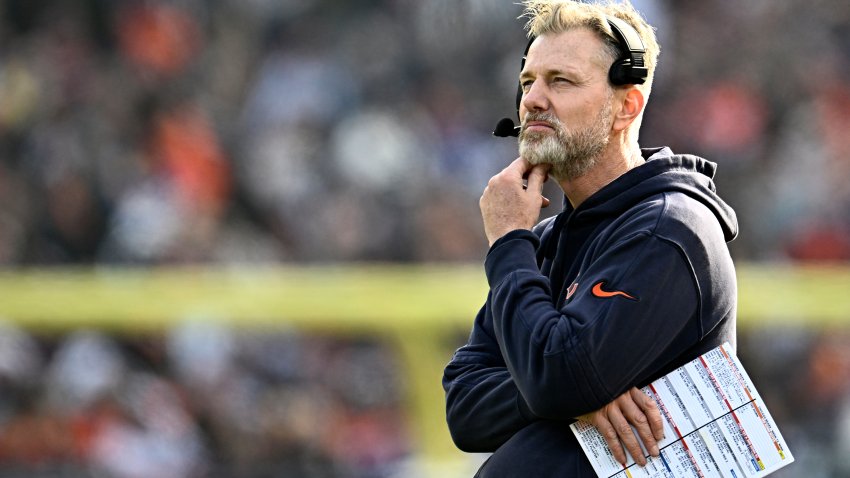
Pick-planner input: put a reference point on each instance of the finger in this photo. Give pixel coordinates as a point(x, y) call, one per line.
point(633, 413)
point(606, 429)
point(545, 202)
point(626, 434)
point(518, 167)
point(537, 177)
point(650, 410)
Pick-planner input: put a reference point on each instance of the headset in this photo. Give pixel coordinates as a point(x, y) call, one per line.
point(628, 69)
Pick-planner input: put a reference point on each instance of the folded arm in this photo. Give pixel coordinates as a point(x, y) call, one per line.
point(633, 311)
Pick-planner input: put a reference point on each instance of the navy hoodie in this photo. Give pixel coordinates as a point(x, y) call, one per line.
point(633, 283)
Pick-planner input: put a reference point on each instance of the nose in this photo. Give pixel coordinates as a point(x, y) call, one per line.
point(534, 99)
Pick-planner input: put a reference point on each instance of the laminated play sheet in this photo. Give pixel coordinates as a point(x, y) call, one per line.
point(715, 425)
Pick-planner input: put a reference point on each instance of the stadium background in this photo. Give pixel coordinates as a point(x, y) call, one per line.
point(241, 238)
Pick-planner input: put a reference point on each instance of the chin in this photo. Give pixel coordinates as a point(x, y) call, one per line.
point(536, 152)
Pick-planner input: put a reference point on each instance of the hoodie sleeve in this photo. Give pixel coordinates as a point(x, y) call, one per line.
point(634, 309)
point(483, 405)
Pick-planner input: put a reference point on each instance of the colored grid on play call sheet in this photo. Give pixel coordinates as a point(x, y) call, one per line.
point(715, 425)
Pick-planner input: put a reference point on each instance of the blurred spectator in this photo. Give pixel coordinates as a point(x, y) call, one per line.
point(160, 132)
point(284, 403)
point(157, 37)
point(804, 377)
point(203, 400)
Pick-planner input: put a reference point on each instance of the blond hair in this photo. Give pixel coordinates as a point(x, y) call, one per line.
point(558, 16)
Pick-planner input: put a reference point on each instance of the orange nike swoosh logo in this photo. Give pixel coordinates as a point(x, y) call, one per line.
point(598, 291)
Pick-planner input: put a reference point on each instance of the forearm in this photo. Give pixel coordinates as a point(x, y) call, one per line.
point(531, 333)
point(483, 406)
point(573, 360)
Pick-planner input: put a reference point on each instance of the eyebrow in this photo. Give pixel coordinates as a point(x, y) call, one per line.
point(524, 74)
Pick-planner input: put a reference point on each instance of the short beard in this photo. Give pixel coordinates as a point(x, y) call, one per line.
point(570, 154)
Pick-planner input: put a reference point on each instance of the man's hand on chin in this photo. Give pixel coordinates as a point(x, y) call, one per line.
point(508, 203)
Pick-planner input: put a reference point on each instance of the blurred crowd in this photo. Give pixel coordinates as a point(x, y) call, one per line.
point(206, 401)
point(803, 375)
point(175, 131)
point(150, 132)
point(200, 400)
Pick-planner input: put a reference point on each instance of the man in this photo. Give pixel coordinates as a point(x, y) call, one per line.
point(632, 279)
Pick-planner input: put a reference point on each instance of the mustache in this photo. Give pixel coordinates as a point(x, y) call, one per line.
point(544, 117)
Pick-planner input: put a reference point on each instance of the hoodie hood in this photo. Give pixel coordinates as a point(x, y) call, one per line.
point(662, 172)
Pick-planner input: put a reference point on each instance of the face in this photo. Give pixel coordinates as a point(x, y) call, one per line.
point(566, 108)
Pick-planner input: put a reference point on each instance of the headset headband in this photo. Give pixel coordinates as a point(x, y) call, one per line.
point(627, 69)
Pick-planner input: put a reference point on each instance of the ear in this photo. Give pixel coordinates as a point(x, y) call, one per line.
point(630, 108)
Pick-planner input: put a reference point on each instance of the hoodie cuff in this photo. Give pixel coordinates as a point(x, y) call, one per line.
point(516, 250)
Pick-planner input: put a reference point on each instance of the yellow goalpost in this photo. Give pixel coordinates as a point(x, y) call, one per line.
point(420, 309)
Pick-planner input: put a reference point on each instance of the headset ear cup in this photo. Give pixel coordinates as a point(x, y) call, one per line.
point(619, 73)
point(623, 73)
point(629, 69)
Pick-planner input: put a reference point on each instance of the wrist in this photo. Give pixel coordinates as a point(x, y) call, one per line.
point(516, 250)
point(493, 236)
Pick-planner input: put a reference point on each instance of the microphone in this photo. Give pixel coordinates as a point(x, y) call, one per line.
point(505, 127)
